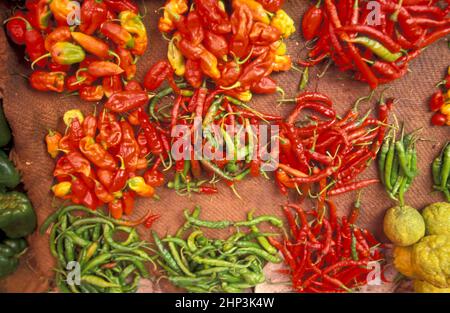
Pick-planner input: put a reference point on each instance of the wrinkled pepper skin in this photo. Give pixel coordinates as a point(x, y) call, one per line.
point(5, 132)
point(9, 176)
point(17, 217)
point(10, 251)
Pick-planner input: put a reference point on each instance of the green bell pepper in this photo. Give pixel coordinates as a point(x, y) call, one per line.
point(10, 251)
point(5, 132)
point(17, 217)
point(9, 176)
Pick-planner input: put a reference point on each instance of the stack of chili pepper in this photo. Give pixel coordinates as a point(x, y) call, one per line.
point(104, 162)
point(238, 51)
point(441, 171)
point(238, 139)
point(397, 164)
point(93, 57)
point(105, 264)
point(332, 151)
point(201, 264)
point(324, 254)
point(376, 40)
point(440, 103)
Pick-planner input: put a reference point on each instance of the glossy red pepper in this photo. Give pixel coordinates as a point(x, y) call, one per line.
point(436, 101)
point(118, 6)
point(124, 101)
point(92, 15)
point(16, 28)
point(117, 34)
point(104, 68)
point(265, 85)
point(193, 73)
point(217, 44)
point(272, 5)
point(154, 178)
point(153, 139)
point(91, 93)
point(72, 163)
point(126, 62)
point(155, 76)
point(96, 154)
point(312, 20)
point(110, 133)
point(438, 119)
point(133, 85)
point(102, 193)
point(111, 85)
point(90, 126)
point(47, 81)
point(119, 178)
point(263, 35)
point(142, 142)
point(129, 148)
point(128, 202)
point(116, 208)
point(105, 177)
point(213, 16)
point(241, 23)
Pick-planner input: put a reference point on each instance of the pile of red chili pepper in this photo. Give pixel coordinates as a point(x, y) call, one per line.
point(327, 150)
point(440, 103)
point(327, 255)
point(104, 161)
point(93, 55)
point(376, 40)
point(237, 50)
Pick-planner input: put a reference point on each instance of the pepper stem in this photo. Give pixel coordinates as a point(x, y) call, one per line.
point(39, 59)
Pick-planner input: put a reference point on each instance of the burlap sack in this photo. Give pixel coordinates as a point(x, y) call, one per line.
point(31, 113)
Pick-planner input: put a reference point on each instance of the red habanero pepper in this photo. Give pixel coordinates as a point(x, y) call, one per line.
point(102, 193)
point(118, 6)
point(154, 178)
point(90, 125)
point(311, 21)
point(75, 132)
point(128, 202)
point(126, 62)
point(104, 68)
point(254, 72)
point(189, 50)
point(75, 82)
point(230, 74)
point(265, 85)
point(39, 12)
point(160, 71)
point(119, 35)
point(91, 93)
point(271, 5)
point(129, 148)
point(153, 140)
point(436, 101)
point(119, 178)
point(78, 190)
point(16, 28)
point(438, 119)
point(72, 163)
point(142, 142)
point(133, 118)
point(263, 35)
point(241, 24)
point(34, 43)
point(96, 154)
point(124, 101)
point(60, 33)
point(195, 28)
point(55, 67)
point(116, 208)
point(193, 73)
point(105, 177)
point(47, 81)
point(92, 15)
point(216, 44)
point(133, 85)
point(208, 64)
point(213, 16)
point(111, 85)
point(110, 133)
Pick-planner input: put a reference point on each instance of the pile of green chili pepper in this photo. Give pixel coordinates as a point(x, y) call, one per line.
point(397, 164)
point(105, 264)
point(200, 264)
point(441, 171)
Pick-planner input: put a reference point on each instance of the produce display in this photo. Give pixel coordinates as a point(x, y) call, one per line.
point(375, 41)
point(188, 122)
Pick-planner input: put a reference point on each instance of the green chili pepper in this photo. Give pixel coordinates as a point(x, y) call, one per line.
point(377, 48)
point(304, 80)
point(163, 93)
point(275, 221)
point(207, 224)
point(388, 165)
point(176, 256)
point(400, 149)
point(97, 281)
point(445, 170)
point(209, 117)
point(165, 254)
point(259, 252)
point(382, 159)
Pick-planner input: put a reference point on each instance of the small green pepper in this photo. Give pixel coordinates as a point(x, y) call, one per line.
point(9, 176)
point(10, 251)
point(17, 217)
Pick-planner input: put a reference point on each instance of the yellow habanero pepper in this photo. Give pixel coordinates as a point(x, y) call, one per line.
point(71, 115)
point(63, 11)
point(258, 11)
point(132, 22)
point(445, 109)
point(62, 189)
point(284, 23)
point(208, 64)
point(282, 63)
point(172, 10)
point(244, 96)
point(279, 47)
point(138, 185)
point(175, 57)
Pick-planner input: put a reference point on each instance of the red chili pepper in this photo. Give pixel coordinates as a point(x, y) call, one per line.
point(160, 71)
point(438, 119)
point(230, 74)
point(118, 6)
point(96, 154)
point(102, 193)
point(91, 93)
point(213, 16)
point(119, 178)
point(104, 68)
point(153, 139)
point(129, 148)
point(111, 85)
point(241, 24)
point(385, 40)
point(47, 81)
point(124, 101)
point(126, 62)
point(90, 125)
point(133, 85)
point(60, 33)
point(110, 133)
point(92, 15)
point(194, 28)
point(312, 20)
point(272, 5)
point(116, 208)
point(436, 101)
point(266, 85)
point(150, 220)
point(352, 186)
point(128, 202)
point(93, 45)
point(55, 67)
point(154, 178)
point(16, 28)
point(72, 163)
point(105, 177)
point(119, 35)
point(263, 34)
point(217, 44)
point(193, 73)
point(75, 132)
